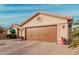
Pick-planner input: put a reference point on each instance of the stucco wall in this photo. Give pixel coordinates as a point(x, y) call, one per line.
point(62, 32)
point(48, 20)
point(19, 33)
point(22, 32)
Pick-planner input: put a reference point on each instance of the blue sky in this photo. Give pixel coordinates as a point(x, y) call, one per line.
point(18, 13)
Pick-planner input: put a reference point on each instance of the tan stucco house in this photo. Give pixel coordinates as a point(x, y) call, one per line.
point(46, 27)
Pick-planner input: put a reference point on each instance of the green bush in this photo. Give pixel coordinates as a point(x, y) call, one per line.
point(74, 43)
point(13, 31)
point(76, 35)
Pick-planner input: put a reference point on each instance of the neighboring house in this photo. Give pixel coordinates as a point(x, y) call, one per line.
point(46, 27)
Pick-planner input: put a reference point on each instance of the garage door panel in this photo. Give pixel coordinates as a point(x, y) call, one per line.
point(48, 34)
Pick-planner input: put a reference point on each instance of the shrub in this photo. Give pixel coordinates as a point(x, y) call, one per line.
point(1, 30)
point(74, 43)
point(12, 36)
point(13, 31)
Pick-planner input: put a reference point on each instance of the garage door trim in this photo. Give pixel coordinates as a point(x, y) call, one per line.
point(40, 26)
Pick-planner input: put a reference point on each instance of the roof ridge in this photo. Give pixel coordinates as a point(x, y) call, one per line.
point(56, 15)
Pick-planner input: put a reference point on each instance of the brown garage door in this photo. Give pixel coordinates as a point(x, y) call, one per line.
point(48, 34)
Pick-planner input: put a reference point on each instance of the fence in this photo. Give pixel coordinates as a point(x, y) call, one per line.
point(3, 35)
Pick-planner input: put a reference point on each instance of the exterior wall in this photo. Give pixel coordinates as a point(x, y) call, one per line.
point(22, 32)
point(48, 20)
point(62, 32)
point(19, 33)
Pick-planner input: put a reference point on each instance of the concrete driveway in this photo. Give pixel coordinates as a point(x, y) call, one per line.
point(14, 47)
